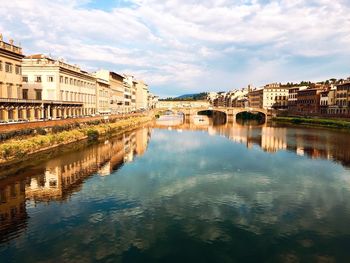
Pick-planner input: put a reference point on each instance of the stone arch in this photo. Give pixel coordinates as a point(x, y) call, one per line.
point(251, 110)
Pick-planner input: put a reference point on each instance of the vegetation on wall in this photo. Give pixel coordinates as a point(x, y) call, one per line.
point(17, 148)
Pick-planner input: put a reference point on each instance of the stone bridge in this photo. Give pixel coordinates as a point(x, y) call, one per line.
point(230, 112)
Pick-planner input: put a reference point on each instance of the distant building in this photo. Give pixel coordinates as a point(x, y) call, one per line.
point(103, 97)
point(117, 88)
point(141, 95)
point(308, 101)
point(255, 98)
point(275, 96)
point(292, 98)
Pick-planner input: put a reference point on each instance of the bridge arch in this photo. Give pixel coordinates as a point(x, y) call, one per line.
point(250, 110)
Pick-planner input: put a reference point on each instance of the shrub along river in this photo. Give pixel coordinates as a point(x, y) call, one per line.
point(177, 192)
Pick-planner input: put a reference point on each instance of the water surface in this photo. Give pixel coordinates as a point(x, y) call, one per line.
point(185, 193)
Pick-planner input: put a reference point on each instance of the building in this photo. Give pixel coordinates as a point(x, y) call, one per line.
point(342, 99)
point(292, 98)
point(56, 89)
point(275, 96)
point(116, 84)
point(141, 95)
point(255, 98)
point(308, 101)
point(129, 93)
point(11, 100)
point(103, 97)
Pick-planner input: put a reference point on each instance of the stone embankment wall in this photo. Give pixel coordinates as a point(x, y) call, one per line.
point(46, 124)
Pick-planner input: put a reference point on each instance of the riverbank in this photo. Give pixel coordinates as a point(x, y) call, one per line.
point(19, 149)
point(318, 122)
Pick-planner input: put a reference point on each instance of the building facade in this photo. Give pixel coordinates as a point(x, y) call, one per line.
point(116, 84)
point(141, 95)
point(62, 90)
point(103, 94)
point(275, 96)
point(10, 81)
point(255, 98)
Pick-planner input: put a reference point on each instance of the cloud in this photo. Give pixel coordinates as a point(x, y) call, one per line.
point(180, 46)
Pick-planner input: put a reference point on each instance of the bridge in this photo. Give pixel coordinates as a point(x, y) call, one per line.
point(230, 112)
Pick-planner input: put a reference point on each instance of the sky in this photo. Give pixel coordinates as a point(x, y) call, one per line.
point(188, 46)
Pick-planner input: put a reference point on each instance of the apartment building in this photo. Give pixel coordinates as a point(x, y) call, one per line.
point(103, 97)
point(116, 84)
point(308, 101)
point(141, 95)
point(255, 98)
point(275, 96)
point(129, 93)
point(292, 98)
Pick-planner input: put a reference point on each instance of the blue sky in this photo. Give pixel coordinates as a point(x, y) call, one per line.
point(186, 46)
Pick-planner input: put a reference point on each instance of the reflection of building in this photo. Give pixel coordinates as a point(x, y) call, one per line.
point(273, 139)
point(13, 213)
point(63, 175)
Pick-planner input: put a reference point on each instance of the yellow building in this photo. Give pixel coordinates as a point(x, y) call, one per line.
point(61, 89)
point(141, 95)
point(275, 96)
point(103, 97)
point(10, 80)
point(116, 83)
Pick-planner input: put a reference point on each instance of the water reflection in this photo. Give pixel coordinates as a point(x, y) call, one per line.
point(198, 192)
point(312, 142)
point(59, 178)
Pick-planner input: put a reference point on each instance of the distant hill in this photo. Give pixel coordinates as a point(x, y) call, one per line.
point(193, 96)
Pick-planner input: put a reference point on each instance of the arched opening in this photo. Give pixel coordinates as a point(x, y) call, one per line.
point(214, 117)
point(250, 118)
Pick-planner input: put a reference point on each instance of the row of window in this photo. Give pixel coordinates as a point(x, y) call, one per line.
point(76, 82)
point(77, 97)
point(9, 68)
point(64, 80)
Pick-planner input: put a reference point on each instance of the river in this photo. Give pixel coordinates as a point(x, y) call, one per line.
point(172, 192)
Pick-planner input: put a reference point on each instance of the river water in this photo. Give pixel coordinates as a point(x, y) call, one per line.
point(185, 193)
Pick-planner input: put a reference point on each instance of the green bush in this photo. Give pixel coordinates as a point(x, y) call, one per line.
point(92, 135)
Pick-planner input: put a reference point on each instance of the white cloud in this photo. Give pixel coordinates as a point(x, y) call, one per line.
point(179, 45)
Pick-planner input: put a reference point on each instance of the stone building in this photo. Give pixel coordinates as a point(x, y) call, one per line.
point(10, 81)
point(58, 89)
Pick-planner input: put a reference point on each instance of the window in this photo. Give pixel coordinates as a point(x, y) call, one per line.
point(66, 80)
point(61, 79)
point(0, 65)
point(38, 93)
point(38, 79)
point(25, 78)
point(8, 67)
point(49, 78)
point(9, 91)
point(25, 94)
point(18, 70)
